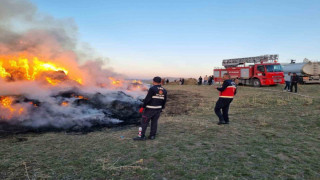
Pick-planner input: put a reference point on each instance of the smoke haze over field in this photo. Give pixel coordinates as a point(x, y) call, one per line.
point(40, 60)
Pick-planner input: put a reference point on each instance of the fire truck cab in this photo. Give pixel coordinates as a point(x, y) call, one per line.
point(262, 70)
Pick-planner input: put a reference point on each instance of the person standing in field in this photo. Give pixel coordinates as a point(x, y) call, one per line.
point(162, 81)
point(151, 109)
point(167, 81)
point(210, 80)
point(200, 80)
point(294, 83)
point(287, 79)
point(226, 94)
point(205, 80)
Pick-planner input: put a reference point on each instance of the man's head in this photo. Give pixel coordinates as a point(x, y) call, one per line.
point(226, 76)
point(294, 74)
point(289, 73)
point(156, 80)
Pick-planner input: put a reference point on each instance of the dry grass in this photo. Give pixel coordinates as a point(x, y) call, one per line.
point(272, 135)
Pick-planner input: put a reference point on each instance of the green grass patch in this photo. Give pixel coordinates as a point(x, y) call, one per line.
point(272, 135)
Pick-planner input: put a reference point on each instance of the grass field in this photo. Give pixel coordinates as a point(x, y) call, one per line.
point(272, 135)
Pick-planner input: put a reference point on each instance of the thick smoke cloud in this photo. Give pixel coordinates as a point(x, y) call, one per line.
point(25, 31)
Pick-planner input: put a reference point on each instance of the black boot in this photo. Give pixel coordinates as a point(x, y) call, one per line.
point(221, 122)
point(151, 137)
point(142, 138)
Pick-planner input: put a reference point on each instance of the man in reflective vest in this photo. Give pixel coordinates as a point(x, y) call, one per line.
point(153, 105)
point(226, 94)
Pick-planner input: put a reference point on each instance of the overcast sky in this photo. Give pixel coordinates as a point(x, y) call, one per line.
point(184, 38)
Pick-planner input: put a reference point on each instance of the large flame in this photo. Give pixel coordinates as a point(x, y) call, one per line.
point(17, 68)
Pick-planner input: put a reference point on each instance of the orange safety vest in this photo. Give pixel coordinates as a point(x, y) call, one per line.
point(228, 92)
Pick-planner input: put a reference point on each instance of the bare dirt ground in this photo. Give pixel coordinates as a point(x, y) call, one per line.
point(272, 135)
point(181, 103)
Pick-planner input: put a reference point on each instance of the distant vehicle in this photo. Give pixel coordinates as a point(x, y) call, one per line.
point(308, 71)
point(254, 71)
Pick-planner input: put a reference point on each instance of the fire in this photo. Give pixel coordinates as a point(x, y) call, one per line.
point(137, 85)
point(115, 82)
point(13, 68)
point(6, 103)
point(52, 81)
point(33, 104)
point(136, 82)
point(65, 103)
point(80, 97)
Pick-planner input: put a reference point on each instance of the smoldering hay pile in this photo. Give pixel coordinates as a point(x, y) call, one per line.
point(50, 80)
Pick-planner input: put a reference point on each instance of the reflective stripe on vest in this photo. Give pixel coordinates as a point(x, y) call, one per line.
point(228, 92)
point(157, 97)
point(153, 107)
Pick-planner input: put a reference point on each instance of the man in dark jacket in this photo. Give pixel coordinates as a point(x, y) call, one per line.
point(294, 82)
point(210, 80)
point(200, 81)
point(153, 105)
point(226, 94)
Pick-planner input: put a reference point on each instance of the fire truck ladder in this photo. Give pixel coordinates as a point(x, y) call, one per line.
point(257, 59)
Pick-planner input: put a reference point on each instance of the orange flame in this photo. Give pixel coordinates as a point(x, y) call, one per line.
point(115, 82)
point(22, 68)
point(137, 85)
point(136, 82)
point(52, 81)
point(79, 97)
point(33, 104)
point(6, 104)
point(65, 103)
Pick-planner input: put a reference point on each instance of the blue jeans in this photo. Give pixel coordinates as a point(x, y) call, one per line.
point(287, 85)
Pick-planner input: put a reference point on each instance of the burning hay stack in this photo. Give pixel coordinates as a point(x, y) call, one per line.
point(48, 81)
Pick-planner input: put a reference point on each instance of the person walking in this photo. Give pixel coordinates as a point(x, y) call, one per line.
point(287, 79)
point(226, 94)
point(294, 82)
point(151, 109)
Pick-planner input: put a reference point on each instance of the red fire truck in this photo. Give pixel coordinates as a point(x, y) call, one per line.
point(255, 71)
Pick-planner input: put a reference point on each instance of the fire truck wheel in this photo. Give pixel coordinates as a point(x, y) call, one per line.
point(256, 83)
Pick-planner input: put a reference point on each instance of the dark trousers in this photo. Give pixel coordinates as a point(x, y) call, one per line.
point(224, 104)
point(287, 85)
point(295, 87)
point(147, 116)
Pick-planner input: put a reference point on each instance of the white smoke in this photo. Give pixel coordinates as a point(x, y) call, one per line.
point(24, 30)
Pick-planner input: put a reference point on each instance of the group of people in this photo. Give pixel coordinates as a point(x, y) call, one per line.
point(207, 80)
point(291, 82)
point(181, 81)
point(164, 81)
point(156, 99)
